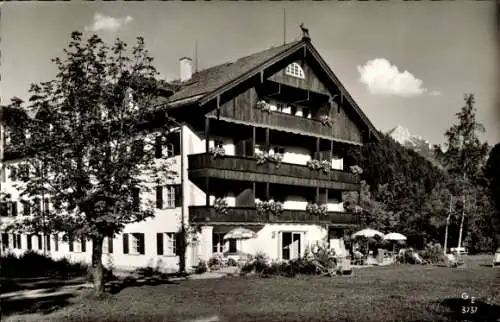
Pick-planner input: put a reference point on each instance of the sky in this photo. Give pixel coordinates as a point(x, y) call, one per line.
point(404, 63)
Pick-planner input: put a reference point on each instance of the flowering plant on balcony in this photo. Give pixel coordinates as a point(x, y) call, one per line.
point(315, 209)
point(273, 207)
point(264, 157)
point(325, 166)
point(356, 170)
point(319, 165)
point(263, 105)
point(326, 120)
point(218, 152)
point(220, 206)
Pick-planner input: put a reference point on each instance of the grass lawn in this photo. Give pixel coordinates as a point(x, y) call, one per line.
point(394, 293)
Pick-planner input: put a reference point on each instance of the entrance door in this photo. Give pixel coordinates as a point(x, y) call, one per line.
point(290, 245)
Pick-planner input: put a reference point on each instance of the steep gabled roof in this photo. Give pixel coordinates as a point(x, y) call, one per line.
point(211, 82)
point(208, 80)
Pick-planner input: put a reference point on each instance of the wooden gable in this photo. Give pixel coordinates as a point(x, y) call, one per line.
point(310, 82)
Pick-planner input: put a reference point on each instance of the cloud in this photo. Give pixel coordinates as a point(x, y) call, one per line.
point(383, 78)
point(435, 93)
point(108, 23)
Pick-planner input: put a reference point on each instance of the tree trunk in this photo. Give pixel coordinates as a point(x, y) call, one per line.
point(97, 267)
point(461, 223)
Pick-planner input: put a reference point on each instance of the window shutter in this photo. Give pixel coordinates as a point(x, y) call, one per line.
point(140, 242)
point(158, 147)
point(46, 205)
point(159, 197)
point(28, 239)
point(136, 199)
point(47, 237)
point(14, 208)
point(5, 240)
point(159, 243)
point(56, 243)
point(110, 245)
point(37, 207)
point(40, 242)
point(13, 173)
point(178, 243)
point(19, 244)
point(125, 243)
point(70, 242)
point(26, 208)
point(3, 209)
point(84, 244)
point(178, 195)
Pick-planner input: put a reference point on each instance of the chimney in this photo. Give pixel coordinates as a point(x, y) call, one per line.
point(186, 68)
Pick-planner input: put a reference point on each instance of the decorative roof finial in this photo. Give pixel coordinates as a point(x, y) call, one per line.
point(305, 32)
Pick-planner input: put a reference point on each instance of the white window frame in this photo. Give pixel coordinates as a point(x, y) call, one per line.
point(134, 243)
point(220, 245)
point(295, 70)
point(169, 244)
point(169, 150)
point(169, 197)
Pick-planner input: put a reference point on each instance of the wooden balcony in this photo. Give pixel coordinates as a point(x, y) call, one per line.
point(246, 169)
point(209, 216)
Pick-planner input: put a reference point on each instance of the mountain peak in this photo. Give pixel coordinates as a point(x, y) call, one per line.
point(403, 136)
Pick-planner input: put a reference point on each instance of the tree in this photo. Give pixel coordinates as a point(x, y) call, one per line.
point(464, 155)
point(492, 175)
point(91, 145)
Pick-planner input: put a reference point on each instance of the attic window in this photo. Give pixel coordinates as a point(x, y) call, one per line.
point(295, 70)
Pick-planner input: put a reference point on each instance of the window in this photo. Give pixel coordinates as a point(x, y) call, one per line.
point(295, 70)
point(16, 241)
point(218, 144)
point(217, 243)
point(279, 150)
point(56, 243)
point(107, 245)
point(46, 205)
point(166, 244)
point(26, 208)
point(280, 107)
point(168, 196)
point(5, 240)
point(13, 208)
point(170, 150)
point(78, 246)
point(133, 244)
point(13, 173)
point(29, 239)
point(232, 246)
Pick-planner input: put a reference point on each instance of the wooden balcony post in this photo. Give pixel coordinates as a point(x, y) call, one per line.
point(267, 140)
point(326, 195)
point(331, 150)
point(207, 134)
point(267, 191)
point(254, 188)
point(317, 149)
point(254, 136)
point(207, 191)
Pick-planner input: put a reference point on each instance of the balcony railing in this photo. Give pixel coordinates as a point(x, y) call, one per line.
point(293, 172)
point(210, 215)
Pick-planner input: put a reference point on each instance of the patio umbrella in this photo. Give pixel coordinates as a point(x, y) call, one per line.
point(368, 233)
point(239, 234)
point(397, 237)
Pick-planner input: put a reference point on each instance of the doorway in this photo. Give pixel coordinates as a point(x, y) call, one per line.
point(290, 245)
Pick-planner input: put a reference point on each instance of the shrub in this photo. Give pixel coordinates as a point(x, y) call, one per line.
point(201, 267)
point(433, 253)
point(231, 262)
point(32, 264)
point(215, 262)
point(406, 257)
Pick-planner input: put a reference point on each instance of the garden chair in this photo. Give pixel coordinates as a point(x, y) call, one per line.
point(324, 271)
